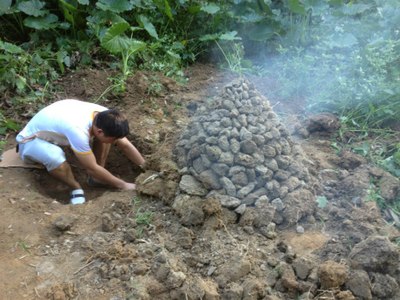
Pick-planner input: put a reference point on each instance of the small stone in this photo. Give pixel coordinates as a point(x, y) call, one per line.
point(278, 204)
point(192, 186)
point(245, 135)
point(248, 147)
point(240, 209)
point(300, 229)
point(211, 270)
point(228, 186)
point(108, 223)
point(228, 202)
point(64, 222)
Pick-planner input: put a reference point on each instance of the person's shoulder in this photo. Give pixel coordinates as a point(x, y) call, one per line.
point(75, 103)
point(67, 102)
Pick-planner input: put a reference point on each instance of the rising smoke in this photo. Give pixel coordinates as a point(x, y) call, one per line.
point(344, 58)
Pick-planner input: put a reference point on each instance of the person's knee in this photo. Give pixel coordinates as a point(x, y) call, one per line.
point(60, 167)
point(49, 155)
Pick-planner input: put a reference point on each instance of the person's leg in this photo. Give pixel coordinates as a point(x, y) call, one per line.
point(53, 158)
point(64, 174)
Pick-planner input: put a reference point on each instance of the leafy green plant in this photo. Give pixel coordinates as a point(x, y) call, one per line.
point(233, 57)
point(392, 162)
point(392, 207)
point(154, 88)
point(142, 219)
point(7, 125)
point(322, 201)
point(374, 195)
point(21, 71)
point(116, 42)
point(24, 246)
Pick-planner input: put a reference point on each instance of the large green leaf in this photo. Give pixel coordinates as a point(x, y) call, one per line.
point(263, 31)
point(164, 7)
point(194, 9)
point(229, 36)
point(226, 36)
point(148, 26)
point(10, 48)
point(264, 7)
point(69, 11)
point(42, 23)
point(114, 39)
point(4, 6)
point(336, 2)
point(116, 6)
point(83, 2)
point(209, 37)
point(251, 18)
point(32, 8)
point(167, 10)
point(296, 7)
point(210, 8)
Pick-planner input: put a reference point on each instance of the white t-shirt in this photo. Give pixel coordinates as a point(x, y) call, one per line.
point(65, 123)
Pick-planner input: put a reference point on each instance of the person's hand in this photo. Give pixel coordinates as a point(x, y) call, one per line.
point(129, 186)
point(144, 166)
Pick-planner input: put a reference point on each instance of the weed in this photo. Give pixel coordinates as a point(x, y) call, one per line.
point(136, 201)
point(374, 195)
point(233, 56)
point(337, 147)
point(322, 201)
point(7, 125)
point(391, 163)
point(154, 88)
point(2, 145)
point(142, 219)
point(392, 207)
point(24, 246)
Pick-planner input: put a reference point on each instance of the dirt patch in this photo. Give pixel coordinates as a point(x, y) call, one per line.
point(175, 238)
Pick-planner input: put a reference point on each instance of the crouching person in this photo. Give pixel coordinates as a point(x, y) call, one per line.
point(89, 129)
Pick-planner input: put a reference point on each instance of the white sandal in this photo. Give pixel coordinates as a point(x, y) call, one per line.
point(77, 197)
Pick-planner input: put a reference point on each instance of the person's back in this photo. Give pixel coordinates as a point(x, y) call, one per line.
point(65, 122)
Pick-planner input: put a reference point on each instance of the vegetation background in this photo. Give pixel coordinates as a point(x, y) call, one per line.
point(333, 55)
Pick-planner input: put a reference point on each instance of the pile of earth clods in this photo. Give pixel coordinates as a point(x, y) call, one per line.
point(237, 150)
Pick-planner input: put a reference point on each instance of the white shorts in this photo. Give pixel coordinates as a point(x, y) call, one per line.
point(43, 152)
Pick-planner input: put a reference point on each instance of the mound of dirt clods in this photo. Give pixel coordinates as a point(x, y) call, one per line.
point(237, 146)
point(235, 203)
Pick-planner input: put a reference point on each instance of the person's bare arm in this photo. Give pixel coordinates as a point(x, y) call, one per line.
point(88, 161)
point(130, 151)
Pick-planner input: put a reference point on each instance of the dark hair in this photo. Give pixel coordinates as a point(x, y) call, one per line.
point(113, 123)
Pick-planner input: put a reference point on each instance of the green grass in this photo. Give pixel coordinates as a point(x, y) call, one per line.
point(142, 218)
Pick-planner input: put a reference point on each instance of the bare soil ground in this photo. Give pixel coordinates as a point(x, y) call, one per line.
point(137, 245)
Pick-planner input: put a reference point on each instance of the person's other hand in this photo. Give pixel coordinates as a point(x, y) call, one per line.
point(129, 186)
point(144, 166)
